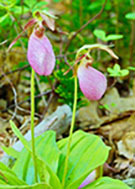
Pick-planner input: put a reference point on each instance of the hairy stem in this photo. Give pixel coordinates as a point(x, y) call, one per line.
point(71, 131)
point(32, 123)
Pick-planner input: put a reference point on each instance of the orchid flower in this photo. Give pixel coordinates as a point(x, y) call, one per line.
point(92, 83)
point(90, 178)
point(40, 52)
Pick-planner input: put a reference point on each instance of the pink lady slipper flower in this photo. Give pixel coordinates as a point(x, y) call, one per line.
point(40, 53)
point(92, 83)
point(90, 178)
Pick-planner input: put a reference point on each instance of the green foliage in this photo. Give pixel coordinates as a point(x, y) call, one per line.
point(5, 4)
point(116, 71)
point(84, 162)
point(9, 177)
point(51, 154)
point(34, 186)
point(130, 16)
point(51, 158)
point(102, 35)
point(107, 183)
point(111, 21)
point(131, 68)
point(56, 1)
point(24, 164)
point(106, 106)
point(65, 87)
point(2, 18)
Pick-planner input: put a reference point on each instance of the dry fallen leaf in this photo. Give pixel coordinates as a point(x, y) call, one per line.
point(126, 146)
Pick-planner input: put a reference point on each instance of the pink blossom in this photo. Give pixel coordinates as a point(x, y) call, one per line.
point(40, 53)
point(90, 178)
point(92, 82)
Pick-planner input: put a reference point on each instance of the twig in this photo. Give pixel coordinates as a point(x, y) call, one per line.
point(86, 24)
point(3, 42)
point(22, 102)
point(13, 71)
point(17, 32)
point(15, 103)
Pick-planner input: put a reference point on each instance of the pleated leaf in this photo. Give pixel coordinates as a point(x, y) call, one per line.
point(47, 157)
point(87, 153)
point(107, 183)
point(34, 186)
point(8, 176)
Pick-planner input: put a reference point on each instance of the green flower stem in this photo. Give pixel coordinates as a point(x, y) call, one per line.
point(71, 131)
point(32, 123)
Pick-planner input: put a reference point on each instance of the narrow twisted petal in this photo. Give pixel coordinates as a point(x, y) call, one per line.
point(92, 82)
point(40, 55)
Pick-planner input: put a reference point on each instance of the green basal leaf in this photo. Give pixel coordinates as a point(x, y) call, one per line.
point(20, 136)
point(100, 34)
point(87, 153)
point(107, 183)
point(12, 179)
point(46, 151)
point(3, 167)
point(2, 182)
point(49, 176)
point(21, 165)
point(10, 151)
point(24, 168)
point(34, 186)
point(8, 176)
point(112, 37)
point(47, 141)
point(130, 16)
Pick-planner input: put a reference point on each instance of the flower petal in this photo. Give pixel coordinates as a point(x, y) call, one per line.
point(90, 178)
point(92, 82)
point(40, 55)
point(28, 25)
